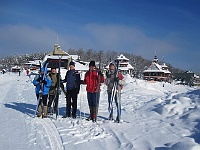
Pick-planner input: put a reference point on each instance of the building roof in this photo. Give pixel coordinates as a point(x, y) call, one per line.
point(16, 67)
point(58, 51)
point(34, 62)
point(122, 57)
point(155, 67)
point(81, 67)
point(128, 67)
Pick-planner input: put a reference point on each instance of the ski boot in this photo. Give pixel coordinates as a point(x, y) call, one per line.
point(110, 117)
point(45, 112)
point(89, 118)
point(39, 114)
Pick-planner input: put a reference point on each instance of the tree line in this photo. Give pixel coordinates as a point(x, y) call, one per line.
point(137, 62)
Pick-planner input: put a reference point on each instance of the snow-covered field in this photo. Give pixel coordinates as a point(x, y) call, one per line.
point(154, 117)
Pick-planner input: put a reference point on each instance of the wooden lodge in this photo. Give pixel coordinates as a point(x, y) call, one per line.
point(156, 71)
point(124, 65)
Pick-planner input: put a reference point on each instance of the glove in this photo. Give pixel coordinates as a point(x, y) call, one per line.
point(45, 82)
point(100, 73)
point(116, 79)
point(52, 88)
point(77, 91)
point(39, 79)
point(62, 81)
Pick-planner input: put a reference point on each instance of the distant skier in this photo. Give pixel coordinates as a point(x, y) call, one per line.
point(19, 72)
point(72, 87)
point(4, 71)
point(93, 79)
point(112, 75)
point(42, 86)
point(53, 93)
point(27, 72)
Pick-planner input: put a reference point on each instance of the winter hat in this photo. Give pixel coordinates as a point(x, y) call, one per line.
point(53, 68)
point(72, 63)
point(111, 64)
point(92, 63)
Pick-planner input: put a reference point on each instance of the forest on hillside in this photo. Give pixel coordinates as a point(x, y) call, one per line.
point(137, 62)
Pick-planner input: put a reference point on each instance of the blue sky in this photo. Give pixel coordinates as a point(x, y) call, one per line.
point(171, 28)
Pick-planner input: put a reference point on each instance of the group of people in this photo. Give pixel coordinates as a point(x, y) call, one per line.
point(46, 88)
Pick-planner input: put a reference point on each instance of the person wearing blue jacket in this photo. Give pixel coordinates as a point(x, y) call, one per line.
point(42, 86)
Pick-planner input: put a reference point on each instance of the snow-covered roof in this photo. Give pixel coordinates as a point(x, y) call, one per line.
point(155, 67)
point(81, 67)
point(58, 51)
point(122, 57)
point(34, 62)
point(189, 72)
point(16, 67)
point(123, 68)
point(55, 57)
point(164, 65)
point(128, 67)
point(74, 57)
point(164, 71)
point(196, 76)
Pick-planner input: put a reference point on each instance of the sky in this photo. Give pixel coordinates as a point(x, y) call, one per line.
point(169, 28)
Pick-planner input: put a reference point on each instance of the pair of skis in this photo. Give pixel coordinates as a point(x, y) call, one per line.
point(41, 88)
point(56, 99)
point(58, 90)
point(99, 90)
point(115, 94)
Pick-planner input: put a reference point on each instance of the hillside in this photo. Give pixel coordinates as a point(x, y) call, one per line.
point(137, 61)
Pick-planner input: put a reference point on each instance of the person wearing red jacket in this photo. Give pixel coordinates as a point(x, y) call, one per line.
point(93, 79)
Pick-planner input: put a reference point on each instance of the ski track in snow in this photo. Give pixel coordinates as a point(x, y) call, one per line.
point(52, 133)
point(146, 114)
point(78, 131)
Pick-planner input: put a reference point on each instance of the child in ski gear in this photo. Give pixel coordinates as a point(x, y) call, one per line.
point(53, 93)
point(72, 87)
point(113, 76)
point(42, 86)
point(93, 79)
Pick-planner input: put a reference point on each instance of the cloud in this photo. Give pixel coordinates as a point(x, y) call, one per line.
point(124, 38)
point(25, 39)
point(21, 39)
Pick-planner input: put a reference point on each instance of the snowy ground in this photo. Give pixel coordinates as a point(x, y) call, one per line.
point(154, 117)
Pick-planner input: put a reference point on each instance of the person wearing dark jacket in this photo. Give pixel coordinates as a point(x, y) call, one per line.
point(72, 87)
point(53, 91)
point(93, 80)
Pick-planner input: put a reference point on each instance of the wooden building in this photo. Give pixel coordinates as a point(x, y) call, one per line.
point(124, 66)
point(156, 71)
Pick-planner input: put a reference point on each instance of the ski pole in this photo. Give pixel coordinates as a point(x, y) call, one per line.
point(80, 102)
point(113, 93)
point(38, 101)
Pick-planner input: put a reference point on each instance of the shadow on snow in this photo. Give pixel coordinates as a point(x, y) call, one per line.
point(29, 109)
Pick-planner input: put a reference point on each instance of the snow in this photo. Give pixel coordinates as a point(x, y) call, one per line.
point(156, 116)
